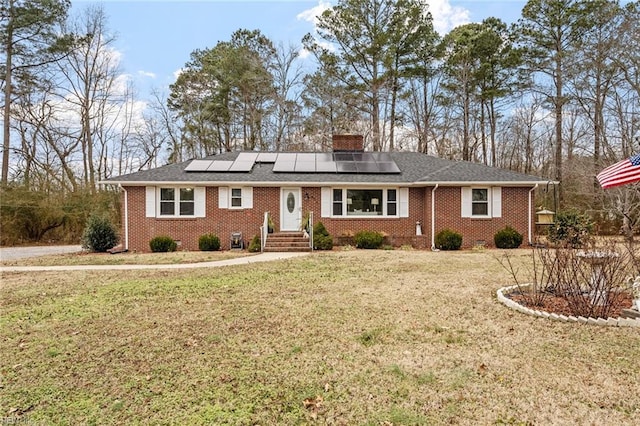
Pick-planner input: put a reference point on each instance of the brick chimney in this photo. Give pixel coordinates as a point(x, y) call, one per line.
point(348, 143)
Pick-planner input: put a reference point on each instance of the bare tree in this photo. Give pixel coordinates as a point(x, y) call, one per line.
point(90, 85)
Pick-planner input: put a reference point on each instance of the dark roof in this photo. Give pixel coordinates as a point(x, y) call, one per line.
point(415, 168)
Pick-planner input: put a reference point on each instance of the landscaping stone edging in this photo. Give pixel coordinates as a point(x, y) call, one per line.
point(616, 322)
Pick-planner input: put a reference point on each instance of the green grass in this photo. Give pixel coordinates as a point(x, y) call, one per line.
point(128, 258)
point(378, 337)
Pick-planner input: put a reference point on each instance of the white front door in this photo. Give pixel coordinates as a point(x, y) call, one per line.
point(290, 209)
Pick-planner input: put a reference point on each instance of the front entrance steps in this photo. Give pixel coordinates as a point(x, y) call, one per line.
point(287, 242)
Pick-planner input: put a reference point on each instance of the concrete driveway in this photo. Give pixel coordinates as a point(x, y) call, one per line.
point(13, 253)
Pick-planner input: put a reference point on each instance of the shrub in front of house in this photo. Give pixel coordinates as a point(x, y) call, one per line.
point(209, 242)
point(254, 245)
point(448, 239)
point(571, 229)
point(163, 244)
point(507, 238)
point(368, 239)
point(99, 234)
point(321, 238)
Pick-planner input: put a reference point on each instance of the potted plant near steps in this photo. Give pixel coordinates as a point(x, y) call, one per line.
point(270, 225)
point(304, 224)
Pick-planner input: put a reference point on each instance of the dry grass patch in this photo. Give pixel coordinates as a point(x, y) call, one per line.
point(128, 258)
point(351, 337)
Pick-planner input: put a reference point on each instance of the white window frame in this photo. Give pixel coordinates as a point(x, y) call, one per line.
point(494, 202)
point(486, 202)
point(226, 197)
point(401, 203)
point(154, 202)
point(233, 198)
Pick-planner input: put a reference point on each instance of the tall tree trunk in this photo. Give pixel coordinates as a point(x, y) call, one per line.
point(559, 101)
point(8, 85)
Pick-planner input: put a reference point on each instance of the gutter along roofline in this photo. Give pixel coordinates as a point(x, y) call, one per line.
point(326, 183)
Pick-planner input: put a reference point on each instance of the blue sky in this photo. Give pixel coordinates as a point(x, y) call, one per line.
point(156, 37)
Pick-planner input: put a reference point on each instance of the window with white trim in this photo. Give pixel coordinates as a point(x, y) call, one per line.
point(177, 202)
point(236, 197)
point(337, 202)
point(364, 202)
point(479, 202)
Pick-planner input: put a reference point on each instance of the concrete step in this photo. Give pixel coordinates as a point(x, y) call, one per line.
point(287, 242)
point(286, 249)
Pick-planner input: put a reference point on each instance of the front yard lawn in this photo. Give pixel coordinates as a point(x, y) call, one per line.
point(343, 337)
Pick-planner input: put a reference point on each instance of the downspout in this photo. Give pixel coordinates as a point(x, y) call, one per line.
point(433, 217)
point(530, 215)
point(126, 218)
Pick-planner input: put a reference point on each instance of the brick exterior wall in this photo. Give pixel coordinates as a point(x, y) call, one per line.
point(353, 143)
point(515, 203)
point(399, 231)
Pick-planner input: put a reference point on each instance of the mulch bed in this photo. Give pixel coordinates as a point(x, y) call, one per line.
point(559, 305)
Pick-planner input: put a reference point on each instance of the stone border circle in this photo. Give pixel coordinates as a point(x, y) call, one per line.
point(616, 322)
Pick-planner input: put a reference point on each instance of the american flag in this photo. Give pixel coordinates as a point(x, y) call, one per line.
point(623, 172)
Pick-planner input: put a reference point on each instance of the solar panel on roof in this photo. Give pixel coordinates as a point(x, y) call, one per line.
point(343, 156)
point(220, 166)
point(241, 166)
point(367, 167)
point(247, 157)
point(381, 156)
point(325, 157)
point(306, 157)
point(305, 166)
point(267, 157)
point(388, 167)
point(346, 167)
point(326, 167)
point(198, 166)
point(285, 163)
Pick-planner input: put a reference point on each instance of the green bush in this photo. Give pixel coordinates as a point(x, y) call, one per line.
point(209, 242)
point(507, 238)
point(571, 229)
point(322, 242)
point(319, 229)
point(368, 239)
point(163, 244)
point(99, 235)
point(448, 239)
point(321, 238)
point(254, 245)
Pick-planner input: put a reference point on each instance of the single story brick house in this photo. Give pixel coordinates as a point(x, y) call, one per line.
point(408, 196)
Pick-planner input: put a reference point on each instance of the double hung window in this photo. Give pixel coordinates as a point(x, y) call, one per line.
point(177, 202)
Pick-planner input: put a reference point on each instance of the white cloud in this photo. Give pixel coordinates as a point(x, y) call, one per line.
point(177, 73)
point(146, 74)
point(446, 17)
point(311, 15)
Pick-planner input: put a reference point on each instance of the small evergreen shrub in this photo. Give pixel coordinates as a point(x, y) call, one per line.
point(319, 229)
point(254, 245)
point(99, 234)
point(209, 242)
point(507, 238)
point(368, 239)
point(321, 238)
point(448, 239)
point(322, 242)
point(162, 244)
point(571, 229)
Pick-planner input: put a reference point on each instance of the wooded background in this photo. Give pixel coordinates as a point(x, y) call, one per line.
point(556, 95)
